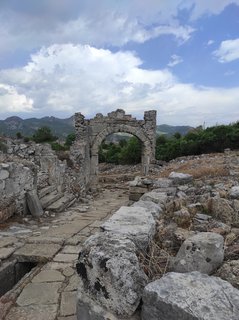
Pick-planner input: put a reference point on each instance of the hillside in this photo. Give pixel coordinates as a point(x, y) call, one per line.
point(170, 130)
point(62, 127)
point(59, 127)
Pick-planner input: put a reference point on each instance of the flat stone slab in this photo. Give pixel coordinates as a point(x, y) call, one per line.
point(39, 293)
point(71, 249)
point(65, 257)
point(49, 276)
point(37, 252)
point(34, 312)
point(68, 303)
point(7, 241)
point(73, 283)
point(6, 252)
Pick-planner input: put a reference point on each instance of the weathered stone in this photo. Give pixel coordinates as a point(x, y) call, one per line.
point(4, 174)
point(73, 283)
point(195, 208)
point(36, 312)
point(156, 197)
point(37, 252)
point(234, 192)
point(68, 303)
point(190, 296)
point(48, 276)
point(65, 257)
point(152, 207)
point(202, 252)
point(34, 204)
point(39, 293)
point(111, 275)
point(162, 183)
point(6, 252)
point(229, 271)
point(136, 223)
point(180, 178)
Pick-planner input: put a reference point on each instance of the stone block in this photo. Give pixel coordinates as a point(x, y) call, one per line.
point(111, 275)
point(34, 204)
point(202, 252)
point(180, 178)
point(152, 207)
point(190, 296)
point(136, 223)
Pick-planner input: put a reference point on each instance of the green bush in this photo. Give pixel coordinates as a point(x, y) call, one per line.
point(43, 134)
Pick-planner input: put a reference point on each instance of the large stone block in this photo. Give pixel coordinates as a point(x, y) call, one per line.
point(190, 296)
point(202, 252)
point(156, 197)
point(111, 275)
point(152, 207)
point(34, 204)
point(136, 223)
point(180, 178)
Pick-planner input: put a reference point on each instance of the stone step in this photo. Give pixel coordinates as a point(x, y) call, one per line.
point(50, 198)
point(43, 192)
point(62, 203)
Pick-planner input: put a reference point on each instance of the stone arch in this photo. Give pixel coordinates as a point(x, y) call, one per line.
point(137, 132)
point(91, 133)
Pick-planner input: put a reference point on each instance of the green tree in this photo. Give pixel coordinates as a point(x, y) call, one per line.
point(43, 134)
point(70, 139)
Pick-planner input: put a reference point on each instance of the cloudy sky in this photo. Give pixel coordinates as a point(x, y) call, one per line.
point(179, 57)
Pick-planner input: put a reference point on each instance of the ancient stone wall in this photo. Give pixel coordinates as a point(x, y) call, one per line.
point(91, 133)
point(27, 167)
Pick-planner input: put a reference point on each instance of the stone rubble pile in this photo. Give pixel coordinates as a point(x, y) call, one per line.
point(196, 223)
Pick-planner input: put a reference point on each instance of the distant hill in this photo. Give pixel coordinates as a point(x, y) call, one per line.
point(170, 130)
point(62, 127)
point(59, 127)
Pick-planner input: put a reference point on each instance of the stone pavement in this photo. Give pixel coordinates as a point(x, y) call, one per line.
point(48, 292)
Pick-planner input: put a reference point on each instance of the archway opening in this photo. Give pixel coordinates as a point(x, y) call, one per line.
point(120, 149)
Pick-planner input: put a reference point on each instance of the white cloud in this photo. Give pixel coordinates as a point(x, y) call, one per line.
point(175, 59)
point(210, 42)
point(228, 51)
point(63, 79)
point(12, 101)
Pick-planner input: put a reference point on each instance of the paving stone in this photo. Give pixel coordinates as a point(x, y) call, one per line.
point(57, 266)
point(68, 272)
point(39, 293)
point(68, 303)
point(68, 318)
point(46, 240)
point(65, 257)
point(6, 252)
point(48, 276)
point(73, 283)
point(34, 312)
point(37, 252)
point(7, 241)
point(66, 230)
point(75, 240)
point(71, 249)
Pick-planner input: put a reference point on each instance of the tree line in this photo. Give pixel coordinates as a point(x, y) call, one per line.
point(195, 142)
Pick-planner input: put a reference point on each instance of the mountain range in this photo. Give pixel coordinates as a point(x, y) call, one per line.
point(62, 127)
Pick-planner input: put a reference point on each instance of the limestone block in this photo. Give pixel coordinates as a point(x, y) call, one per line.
point(111, 275)
point(180, 178)
point(34, 204)
point(156, 197)
point(152, 207)
point(136, 223)
point(234, 192)
point(163, 183)
point(4, 174)
point(202, 252)
point(190, 296)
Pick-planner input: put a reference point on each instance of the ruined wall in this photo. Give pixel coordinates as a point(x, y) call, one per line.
point(91, 133)
point(26, 167)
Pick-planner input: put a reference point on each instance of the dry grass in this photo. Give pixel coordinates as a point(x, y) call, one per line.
point(198, 168)
point(155, 262)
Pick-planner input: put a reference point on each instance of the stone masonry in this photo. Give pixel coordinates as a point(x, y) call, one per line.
point(91, 133)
